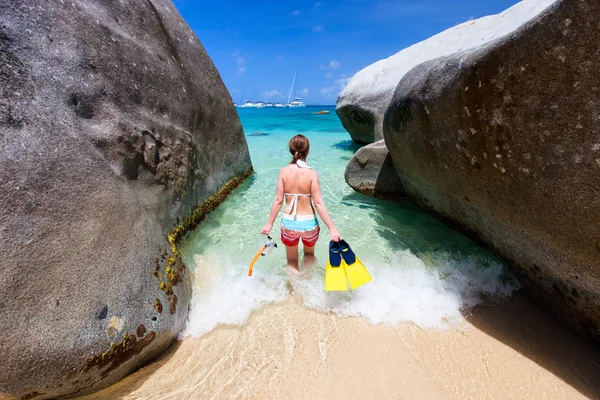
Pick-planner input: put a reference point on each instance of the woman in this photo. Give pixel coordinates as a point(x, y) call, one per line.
point(299, 184)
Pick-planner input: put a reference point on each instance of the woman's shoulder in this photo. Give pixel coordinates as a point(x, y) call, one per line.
point(285, 169)
point(292, 167)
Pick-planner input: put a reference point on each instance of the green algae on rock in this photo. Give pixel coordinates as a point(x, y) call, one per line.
point(202, 210)
point(118, 353)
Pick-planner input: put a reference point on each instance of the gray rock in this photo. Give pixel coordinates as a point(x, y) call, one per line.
point(114, 124)
point(371, 171)
point(363, 102)
point(505, 142)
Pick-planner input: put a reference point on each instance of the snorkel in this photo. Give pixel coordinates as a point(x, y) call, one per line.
point(264, 251)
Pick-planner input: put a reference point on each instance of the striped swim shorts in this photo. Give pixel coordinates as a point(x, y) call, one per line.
point(303, 227)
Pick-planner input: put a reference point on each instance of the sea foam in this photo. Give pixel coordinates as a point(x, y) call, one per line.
point(431, 292)
point(408, 289)
point(224, 294)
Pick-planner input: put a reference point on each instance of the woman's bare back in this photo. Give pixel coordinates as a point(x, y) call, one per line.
point(298, 180)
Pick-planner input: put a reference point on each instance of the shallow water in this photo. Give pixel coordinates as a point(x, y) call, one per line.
point(422, 271)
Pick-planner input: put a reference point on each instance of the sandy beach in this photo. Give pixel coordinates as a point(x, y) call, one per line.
point(506, 351)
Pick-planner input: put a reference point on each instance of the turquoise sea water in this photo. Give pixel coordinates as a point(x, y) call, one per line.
point(422, 271)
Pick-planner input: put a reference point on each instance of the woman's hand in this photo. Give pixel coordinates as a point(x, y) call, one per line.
point(266, 229)
point(335, 235)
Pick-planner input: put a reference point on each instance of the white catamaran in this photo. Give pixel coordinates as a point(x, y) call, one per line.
point(297, 100)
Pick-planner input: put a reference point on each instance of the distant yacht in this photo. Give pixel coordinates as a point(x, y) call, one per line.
point(277, 104)
point(250, 103)
point(297, 103)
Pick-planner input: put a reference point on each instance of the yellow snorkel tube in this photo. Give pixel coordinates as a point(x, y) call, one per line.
point(264, 251)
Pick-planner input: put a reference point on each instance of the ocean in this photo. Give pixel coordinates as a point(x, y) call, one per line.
point(423, 272)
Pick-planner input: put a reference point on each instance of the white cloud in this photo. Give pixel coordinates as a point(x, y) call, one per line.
point(326, 91)
point(295, 13)
point(318, 28)
point(339, 85)
point(239, 61)
point(304, 91)
point(333, 64)
point(328, 75)
point(342, 82)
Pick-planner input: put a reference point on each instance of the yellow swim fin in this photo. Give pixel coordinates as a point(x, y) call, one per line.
point(357, 274)
point(335, 271)
point(355, 270)
point(335, 278)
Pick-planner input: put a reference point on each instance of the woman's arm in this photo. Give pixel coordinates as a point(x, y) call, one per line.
point(315, 191)
point(277, 203)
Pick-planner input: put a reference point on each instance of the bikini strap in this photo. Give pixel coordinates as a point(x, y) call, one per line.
point(295, 202)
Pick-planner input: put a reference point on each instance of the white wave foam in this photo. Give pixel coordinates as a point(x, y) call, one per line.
point(223, 294)
point(429, 291)
point(407, 289)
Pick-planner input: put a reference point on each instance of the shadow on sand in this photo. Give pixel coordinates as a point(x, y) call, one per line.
point(526, 328)
point(136, 379)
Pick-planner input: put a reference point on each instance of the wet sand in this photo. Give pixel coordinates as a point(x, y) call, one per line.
point(285, 351)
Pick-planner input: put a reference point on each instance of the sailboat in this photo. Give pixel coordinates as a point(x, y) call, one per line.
point(250, 103)
point(241, 98)
point(297, 103)
point(277, 104)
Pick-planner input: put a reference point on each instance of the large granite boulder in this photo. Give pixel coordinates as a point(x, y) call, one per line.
point(504, 140)
point(371, 171)
point(114, 124)
point(362, 104)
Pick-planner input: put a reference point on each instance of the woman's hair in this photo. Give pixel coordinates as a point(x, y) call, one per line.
point(299, 147)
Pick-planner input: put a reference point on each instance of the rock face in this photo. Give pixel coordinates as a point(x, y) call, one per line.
point(114, 124)
point(505, 141)
point(362, 104)
point(371, 171)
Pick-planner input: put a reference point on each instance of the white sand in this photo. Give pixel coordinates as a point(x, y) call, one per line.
point(509, 351)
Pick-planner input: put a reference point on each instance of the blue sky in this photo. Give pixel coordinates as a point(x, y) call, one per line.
point(259, 45)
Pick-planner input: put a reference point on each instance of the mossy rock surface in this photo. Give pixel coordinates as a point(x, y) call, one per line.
point(114, 126)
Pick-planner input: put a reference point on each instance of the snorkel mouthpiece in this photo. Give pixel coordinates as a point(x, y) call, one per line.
point(268, 246)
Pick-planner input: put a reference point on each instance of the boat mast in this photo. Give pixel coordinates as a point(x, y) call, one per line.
point(242, 98)
point(292, 88)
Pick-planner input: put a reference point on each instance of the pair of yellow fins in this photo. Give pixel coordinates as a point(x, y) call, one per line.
point(344, 267)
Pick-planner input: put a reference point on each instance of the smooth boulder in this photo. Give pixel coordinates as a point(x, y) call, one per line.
point(371, 171)
point(114, 125)
point(362, 103)
point(504, 141)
